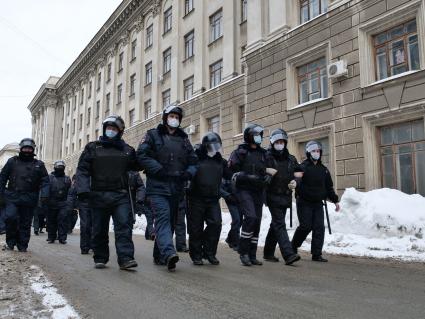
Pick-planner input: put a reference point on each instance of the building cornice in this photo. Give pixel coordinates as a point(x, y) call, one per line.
point(46, 91)
point(127, 17)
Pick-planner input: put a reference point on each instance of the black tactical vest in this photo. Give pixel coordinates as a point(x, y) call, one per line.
point(109, 169)
point(172, 154)
point(207, 180)
point(25, 176)
point(59, 187)
point(282, 178)
point(254, 163)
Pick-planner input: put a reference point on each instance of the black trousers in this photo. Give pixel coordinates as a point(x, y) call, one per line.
point(277, 234)
point(311, 218)
point(18, 224)
point(39, 221)
point(203, 241)
point(251, 207)
point(180, 227)
point(72, 220)
point(57, 222)
point(85, 228)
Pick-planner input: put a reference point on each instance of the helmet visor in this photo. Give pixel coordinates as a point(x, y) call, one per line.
point(258, 130)
point(213, 148)
point(313, 147)
point(114, 121)
point(276, 137)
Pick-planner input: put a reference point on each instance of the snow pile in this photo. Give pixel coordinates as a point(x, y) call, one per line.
point(52, 300)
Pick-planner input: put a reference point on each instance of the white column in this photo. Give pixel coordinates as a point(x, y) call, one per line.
point(201, 42)
point(229, 29)
point(257, 22)
point(277, 15)
point(155, 100)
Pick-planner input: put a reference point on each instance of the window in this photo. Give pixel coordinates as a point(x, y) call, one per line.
point(79, 143)
point(244, 10)
point(96, 132)
point(73, 126)
point(66, 150)
point(74, 103)
point(67, 130)
point(149, 36)
point(167, 20)
point(82, 96)
point(90, 89)
point(241, 118)
point(167, 61)
point(189, 44)
point(215, 26)
point(132, 84)
point(132, 116)
point(72, 147)
point(99, 80)
point(119, 93)
point(188, 88)
point(108, 74)
point(312, 81)
point(108, 103)
point(148, 109)
point(396, 50)
point(148, 73)
point(213, 124)
point(88, 115)
point(312, 8)
point(80, 123)
point(188, 6)
point(120, 62)
point(325, 151)
point(402, 151)
point(68, 108)
point(87, 138)
point(215, 73)
point(166, 98)
point(97, 109)
point(133, 49)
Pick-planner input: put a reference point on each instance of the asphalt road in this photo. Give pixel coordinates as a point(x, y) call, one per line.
point(343, 288)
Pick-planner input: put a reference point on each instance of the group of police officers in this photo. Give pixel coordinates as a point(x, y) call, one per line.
point(179, 178)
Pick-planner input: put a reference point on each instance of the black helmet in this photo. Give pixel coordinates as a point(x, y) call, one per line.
point(277, 135)
point(116, 121)
point(27, 142)
point(172, 108)
point(211, 142)
point(58, 164)
point(250, 131)
point(311, 146)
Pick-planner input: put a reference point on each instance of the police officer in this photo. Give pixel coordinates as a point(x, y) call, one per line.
point(169, 160)
point(233, 235)
point(203, 198)
point(84, 211)
point(57, 208)
point(314, 187)
point(279, 197)
point(39, 221)
point(180, 228)
point(26, 179)
point(138, 194)
point(102, 180)
point(248, 163)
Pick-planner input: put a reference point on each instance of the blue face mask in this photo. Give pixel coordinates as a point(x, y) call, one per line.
point(257, 139)
point(111, 133)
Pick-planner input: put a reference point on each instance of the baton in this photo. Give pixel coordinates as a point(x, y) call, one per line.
point(290, 215)
point(131, 203)
point(327, 217)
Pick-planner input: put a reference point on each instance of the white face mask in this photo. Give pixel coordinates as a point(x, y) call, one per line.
point(111, 133)
point(257, 139)
point(172, 122)
point(315, 156)
point(279, 147)
point(211, 154)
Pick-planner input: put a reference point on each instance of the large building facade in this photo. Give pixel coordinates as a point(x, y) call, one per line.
point(348, 73)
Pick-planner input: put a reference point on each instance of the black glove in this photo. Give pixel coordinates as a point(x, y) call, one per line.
point(186, 176)
point(44, 200)
point(231, 199)
point(267, 179)
point(84, 196)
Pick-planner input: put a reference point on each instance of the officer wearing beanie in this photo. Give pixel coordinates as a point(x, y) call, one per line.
point(57, 208)
point(168, 160)
point(26, 179)
point(313, 188)
point(102, 181)
point(279, 197)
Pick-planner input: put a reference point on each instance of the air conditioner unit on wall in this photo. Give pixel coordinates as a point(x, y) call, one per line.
point(337, 69)
point(191, 129)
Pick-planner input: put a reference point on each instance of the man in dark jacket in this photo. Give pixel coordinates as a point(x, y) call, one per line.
point(248, 164)
point(234, 234)
point(204, 193)
point(26, 178)
point(102, 180)
point(314, 187)
point(279, 197)
point(168, 160)
point(39, 221)
point(57, 211)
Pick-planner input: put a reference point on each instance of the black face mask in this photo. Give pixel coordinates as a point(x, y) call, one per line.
point(59, 171)
point(26, 155)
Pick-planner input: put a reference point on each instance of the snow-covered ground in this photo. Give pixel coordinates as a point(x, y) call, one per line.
point(382, 223)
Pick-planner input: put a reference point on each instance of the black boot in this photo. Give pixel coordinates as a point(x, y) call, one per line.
point(291, 259)
point(256, 262)
point(295, 249)
point(197, 262)
point(128, 264)
point(245, 260)
point(35, 232)
point(273, 259)
point(213, 260)
point(171, 262)
point(50, 241)
point(319, 258)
